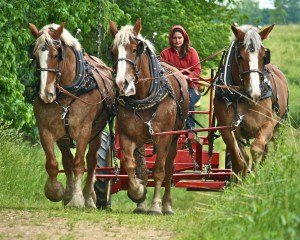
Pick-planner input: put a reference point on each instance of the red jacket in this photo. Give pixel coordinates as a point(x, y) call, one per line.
point(170, 55)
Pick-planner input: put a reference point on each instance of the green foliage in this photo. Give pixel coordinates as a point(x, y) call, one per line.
point(17, 160)
point(265, 206)
point(284, 12)
point(287, 11)
point(285, 54)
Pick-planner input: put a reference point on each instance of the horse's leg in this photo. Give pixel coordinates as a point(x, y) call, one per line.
point(77, 199)
point(245, 157)
point(258, 146)
point(237, 160)
point(141, 172)
point(162, 147)
point(167, 198)
point(53, 189)
point(67, 161)
point(136, 190)
point(88, 191)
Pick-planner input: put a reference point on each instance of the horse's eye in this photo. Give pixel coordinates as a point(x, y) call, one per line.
point(134, 50)
point(240, 57)
point(44, 48)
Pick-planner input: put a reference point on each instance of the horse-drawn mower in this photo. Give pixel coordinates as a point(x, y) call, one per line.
point(196, 165)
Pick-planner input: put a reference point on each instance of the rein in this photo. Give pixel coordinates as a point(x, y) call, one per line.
point(186, 69)
point(78, 98)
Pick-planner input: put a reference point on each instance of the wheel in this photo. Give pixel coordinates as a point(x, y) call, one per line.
point(102, 186)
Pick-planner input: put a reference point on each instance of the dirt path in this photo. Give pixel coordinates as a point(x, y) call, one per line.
point(20, 224)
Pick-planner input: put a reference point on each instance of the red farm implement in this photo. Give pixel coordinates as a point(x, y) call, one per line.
point(196, 165)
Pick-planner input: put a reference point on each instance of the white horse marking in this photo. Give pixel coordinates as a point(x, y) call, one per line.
point(43, 56)
point(254, 76)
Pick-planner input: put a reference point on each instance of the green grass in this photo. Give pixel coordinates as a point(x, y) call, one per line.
point(284, 43)
point(265, 206)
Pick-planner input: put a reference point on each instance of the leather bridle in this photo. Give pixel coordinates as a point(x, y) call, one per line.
point(61, 52)
point(139, 52)
point(238, 59)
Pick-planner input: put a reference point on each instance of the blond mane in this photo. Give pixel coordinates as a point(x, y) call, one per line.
point(66, 37)
point(126, 34)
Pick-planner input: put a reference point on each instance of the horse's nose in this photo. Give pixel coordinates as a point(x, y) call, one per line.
point(50, 97)
point(120, 83)
point(255, 97)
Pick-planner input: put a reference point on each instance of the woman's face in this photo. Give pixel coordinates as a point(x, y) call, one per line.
point(177, 39)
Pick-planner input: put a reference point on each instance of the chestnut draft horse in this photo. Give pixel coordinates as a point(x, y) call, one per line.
point(78, 114)
point(148, 102)
point(256, 96)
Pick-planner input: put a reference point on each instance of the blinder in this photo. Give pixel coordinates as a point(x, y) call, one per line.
point(140, 48)
point(61, 54)
point(267, 57)
point(109, 54)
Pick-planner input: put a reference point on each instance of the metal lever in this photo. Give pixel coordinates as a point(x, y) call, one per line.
point(238, 122)
point(154, 37)
point(77, 32)
point(66, 110)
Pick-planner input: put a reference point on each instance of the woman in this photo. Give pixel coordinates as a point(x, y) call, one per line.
point(182, 56)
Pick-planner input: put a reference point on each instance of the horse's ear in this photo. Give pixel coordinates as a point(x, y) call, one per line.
point(34, 31)
point(113, 28)
point(265, 32)
point(138, 26)
point(239, 34)
point(56, 34)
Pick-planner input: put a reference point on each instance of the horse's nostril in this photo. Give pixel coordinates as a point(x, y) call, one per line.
point(49, 96)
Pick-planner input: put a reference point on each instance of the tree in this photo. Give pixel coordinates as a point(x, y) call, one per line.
point(287, 11)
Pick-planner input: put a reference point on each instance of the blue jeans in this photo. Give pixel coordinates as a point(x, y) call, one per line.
point(194, 97)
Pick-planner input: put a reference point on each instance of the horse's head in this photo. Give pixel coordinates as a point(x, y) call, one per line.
point(251, 56)
point(127, 48)
point(48, 52)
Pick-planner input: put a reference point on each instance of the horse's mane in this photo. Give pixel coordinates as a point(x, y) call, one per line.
point(251, 37)
point(66, 37)
point(126, 33)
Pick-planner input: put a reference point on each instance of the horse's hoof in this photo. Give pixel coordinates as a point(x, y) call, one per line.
point(140, 210)
point(76, 202)
point(154, 212)
point(169, 212)
point(73, 204)
point(90, 203)
point(142, 199)
point(54, 191)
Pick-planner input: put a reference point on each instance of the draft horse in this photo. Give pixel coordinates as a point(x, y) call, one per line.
point(255, 95)
point(148, 102)
point(73, 104)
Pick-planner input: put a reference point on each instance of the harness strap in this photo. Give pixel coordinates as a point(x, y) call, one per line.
point(65, 117)
point(103, 80)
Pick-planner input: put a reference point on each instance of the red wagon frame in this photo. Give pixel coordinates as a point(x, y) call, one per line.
point(208, 175)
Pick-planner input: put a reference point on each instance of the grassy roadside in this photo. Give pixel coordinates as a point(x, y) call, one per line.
point(266, 206)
